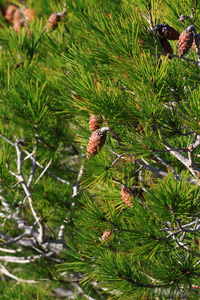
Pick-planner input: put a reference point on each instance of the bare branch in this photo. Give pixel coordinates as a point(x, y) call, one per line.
point(25, 259)
point(151, 168)
point(114, 162)
point(61, 232)
point(7, 140)
point(10, 250)
point(42, 173)
point(184, 160)
point(76, 187)
point(50, 173)
point(7, 273)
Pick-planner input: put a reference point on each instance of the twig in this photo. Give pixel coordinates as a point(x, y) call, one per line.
point(7, 273)
point(61, 232)
point(25, 259)
point(50, 173)
point(114, 162)
point(7, 140)
point(76, 187)
point(41, 229)
point(150, 16)
point(184, 58)
point(10, 250)
point(151, 168)
point(184, 160)
point(195, 229)
point(142, 13)
point(164, 162)
point(33, 169)
point(42, 173)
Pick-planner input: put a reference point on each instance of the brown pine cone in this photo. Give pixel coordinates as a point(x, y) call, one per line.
point(18, 24)
point(17, 15)
point(106, 234)
point(167, 32)
point(96, 141)
point(30, 14)
point(52, 22)
point(95, 122)
point(127, 194)
point(10, 12)
point(166, 45)
point(185, 42)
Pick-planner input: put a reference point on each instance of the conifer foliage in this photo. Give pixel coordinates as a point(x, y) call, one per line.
point(100, 149)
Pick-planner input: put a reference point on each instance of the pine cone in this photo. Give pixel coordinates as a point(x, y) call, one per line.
point(18, 24)
point(29, 13)
point(17, 15)
point(52, 22)
point(96, 141)
point(166, 45)
point(95, 122)
point(167, 32)
point(185, 42)
point(10, 12)
point(127, 194)
point(106, 235)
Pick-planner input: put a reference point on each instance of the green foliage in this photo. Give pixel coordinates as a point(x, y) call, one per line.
point(64, 215)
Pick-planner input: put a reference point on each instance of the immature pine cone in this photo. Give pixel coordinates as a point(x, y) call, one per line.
point(106, 235)
point(167, 32)
point(127, 194)
point(185, 42)
point(95, 122)
point(53, 20)
point(96, 141)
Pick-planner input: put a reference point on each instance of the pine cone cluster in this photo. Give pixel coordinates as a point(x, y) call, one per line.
point(19, 17)
point(185, 42)
point(166, 32)
point(126, 194)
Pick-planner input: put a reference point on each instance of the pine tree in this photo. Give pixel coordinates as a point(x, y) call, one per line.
point(123, 224)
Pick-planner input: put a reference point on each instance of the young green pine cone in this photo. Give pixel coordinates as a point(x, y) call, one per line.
point(167, 32)
point(95, 122)
point(127, 194)
point(96, 141)
point(185, 41)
